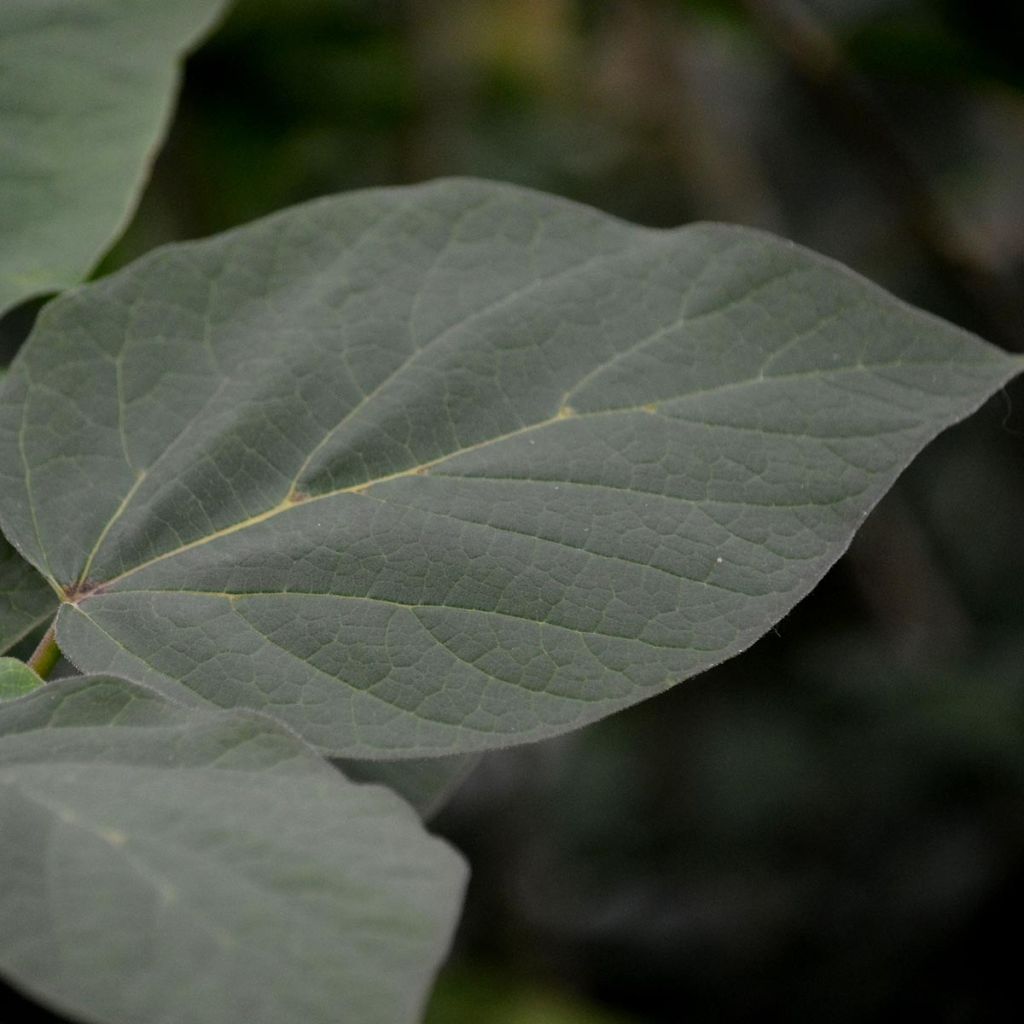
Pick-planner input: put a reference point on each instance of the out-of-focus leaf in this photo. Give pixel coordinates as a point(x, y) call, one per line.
point(426, 784)
point(88, 87)
point(170, 864)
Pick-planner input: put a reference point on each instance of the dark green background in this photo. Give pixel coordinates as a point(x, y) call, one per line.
point(830, 827)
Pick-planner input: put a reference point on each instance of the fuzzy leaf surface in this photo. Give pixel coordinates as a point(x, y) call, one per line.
point(88, 87)
point(431, 470)
point(164, 864)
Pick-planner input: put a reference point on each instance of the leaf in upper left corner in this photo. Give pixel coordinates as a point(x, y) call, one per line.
point(88, 87)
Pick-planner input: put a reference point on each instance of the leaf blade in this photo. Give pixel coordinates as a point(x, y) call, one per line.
point(206, 867)
point(16, 679)
point(462, 465)
point(88, 88)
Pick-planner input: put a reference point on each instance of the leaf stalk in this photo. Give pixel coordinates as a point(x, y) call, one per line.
point(46, 655)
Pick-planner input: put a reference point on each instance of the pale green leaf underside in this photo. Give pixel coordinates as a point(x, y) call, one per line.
point(17, 679)
point(440, 469)
point(168, 865)
point(87, 91)
point(26, 599)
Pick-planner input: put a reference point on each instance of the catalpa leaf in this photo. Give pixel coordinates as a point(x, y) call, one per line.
point(88, 87)
point(26, 599)
point(164, 864)
point(431, 470)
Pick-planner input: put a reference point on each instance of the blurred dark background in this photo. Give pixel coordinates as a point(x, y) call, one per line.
point(830, 827)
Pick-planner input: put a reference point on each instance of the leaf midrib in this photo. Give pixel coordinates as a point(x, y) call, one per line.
point(563, 415)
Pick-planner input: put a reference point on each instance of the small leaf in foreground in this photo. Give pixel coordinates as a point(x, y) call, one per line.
point(16, 679)
point(426, 784)
point(171, 864)
point(432, 470)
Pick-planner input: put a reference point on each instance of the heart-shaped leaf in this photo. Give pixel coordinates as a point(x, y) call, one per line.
point(87, 93)
point(169, 864)
point(26, 599)
point(445, 468)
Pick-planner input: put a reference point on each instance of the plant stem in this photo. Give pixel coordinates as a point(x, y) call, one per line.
point(46, 655)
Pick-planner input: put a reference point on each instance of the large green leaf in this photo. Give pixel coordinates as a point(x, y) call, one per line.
point(26, 599)
point(444, 468)
point(87, 92)
point(165, 864)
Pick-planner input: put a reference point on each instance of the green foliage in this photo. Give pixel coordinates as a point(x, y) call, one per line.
point(26, 599)
point(406, 475)
point(433, 470)
point(425, 784)
point(206, 866)
point(88, 87)
point(469, 996)
point(16, 679)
